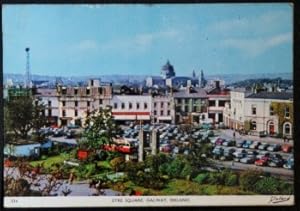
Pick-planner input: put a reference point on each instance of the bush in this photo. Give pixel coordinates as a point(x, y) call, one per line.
point(231, 180)
point(267, 185)
point(201, 178)
point(248, 179)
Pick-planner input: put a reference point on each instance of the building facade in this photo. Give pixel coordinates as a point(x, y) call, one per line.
point(131, 107)
point(75, 103)
point(190, 105)
point(163, 109)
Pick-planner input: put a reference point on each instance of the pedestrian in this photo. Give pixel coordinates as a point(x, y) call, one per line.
point(232, 163)
point(233, 135)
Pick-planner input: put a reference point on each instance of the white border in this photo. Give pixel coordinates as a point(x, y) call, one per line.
point(149, 201)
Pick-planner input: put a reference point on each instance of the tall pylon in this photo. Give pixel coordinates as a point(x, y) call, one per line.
point(27, 74)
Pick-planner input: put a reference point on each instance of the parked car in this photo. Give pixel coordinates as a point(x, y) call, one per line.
point(248, 160)
point(275, 160)
point(210, 133)
point(247, 144)
point(219, 141)
point(213, 141)
point(239, 153)
point(252, 153)
point(218, 151)
point(240, 144)
point(289, 164)
point(263, 146)
point(70, 134)
point(228, 153)
point(262, 154)
point(59, 133)
point(229, 143)
point(286, 148)
point(72, 126)
point(263, 161)
point(274, 147)
point(254, 145)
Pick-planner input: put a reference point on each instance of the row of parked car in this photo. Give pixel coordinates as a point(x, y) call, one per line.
point(249, 144)
point(57, 132)
point(250, 156)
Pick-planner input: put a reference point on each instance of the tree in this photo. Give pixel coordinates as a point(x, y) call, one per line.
point(100, 128)
point(22, 115)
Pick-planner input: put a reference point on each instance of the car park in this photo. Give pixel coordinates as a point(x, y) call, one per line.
point(247, 144)
point(263, 146)
point(229, 143)
point(247, 160)
point(239, 154)
point(240, 143)
point(254, 145)
point(274, 147)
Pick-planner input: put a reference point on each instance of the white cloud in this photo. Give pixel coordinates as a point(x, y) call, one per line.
point(87, 45)
point(257, 46)
point(263, 24)
point(140, 42)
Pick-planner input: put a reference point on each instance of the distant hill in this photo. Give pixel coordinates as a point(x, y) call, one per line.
point(228, 78)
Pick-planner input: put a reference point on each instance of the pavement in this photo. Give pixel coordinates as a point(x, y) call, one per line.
point(229, 133)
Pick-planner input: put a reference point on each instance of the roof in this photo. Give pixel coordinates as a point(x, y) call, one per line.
point(196, 93)
point(47, 92)
point(272, 95)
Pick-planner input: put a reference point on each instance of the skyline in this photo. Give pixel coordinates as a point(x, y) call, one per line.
point(79, 41)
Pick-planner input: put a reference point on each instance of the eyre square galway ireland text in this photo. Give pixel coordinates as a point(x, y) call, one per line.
point(138, 105)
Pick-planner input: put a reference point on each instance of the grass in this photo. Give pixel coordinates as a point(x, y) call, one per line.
point(104, 164)
point(48, 162)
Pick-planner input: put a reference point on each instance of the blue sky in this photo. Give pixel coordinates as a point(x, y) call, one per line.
point(79, 40)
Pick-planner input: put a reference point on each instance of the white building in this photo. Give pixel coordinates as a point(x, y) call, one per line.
point(235, 110)
point(163, 109)
point(131, 107)
point(262, 116)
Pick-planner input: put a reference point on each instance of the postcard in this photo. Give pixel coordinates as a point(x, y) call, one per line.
point(124, 105)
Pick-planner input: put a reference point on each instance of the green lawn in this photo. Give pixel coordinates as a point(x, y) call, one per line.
point(58, 159)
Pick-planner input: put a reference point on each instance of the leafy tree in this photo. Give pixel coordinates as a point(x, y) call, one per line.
point(22, 115)
point(117, 163)
point(248, 179)
point(100, 128)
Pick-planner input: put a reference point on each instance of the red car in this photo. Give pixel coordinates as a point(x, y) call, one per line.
point(124, 149)
point(108, 147)
point(262, 162)
point(286, 148)
point(219, 141)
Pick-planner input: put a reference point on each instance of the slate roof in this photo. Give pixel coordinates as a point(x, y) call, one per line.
point(272, 95)
point(195, 93)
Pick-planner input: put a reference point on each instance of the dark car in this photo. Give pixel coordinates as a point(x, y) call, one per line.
point(59, 133)
point(247, 144)
point(70, 134)
point(263, 146)
point(240, 144)
point(229, 143)
point(248, 160)
point(274, 147)
point(275, 160)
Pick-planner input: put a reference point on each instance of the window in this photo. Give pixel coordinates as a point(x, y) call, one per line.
point(49, 103)
point(253, 125)
point(155, 112)
point(115, 105)
point(271, 111)
point(123, 105)
point(179, 101)
point(64, 91)
point(92, 82)
point(287, 112)
point(161, 113)
point(87, 91)
point(161, 104)
point(76, 103)
point(287, 129)
point(154, 105)
point(253, 109)
point(186, 108)
point(130, 105)
point(76, 113)
point(234, 111)
point(63, 103)
point(211, 103)
point(145, 105)
point(63, 113)
point(75, 91)
point(100, 90)
point(169, 104)
point(88, 103)
point(137, 106)
point(100, 101)
point(169, 112)
point(49, 112)
point(221, 103)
